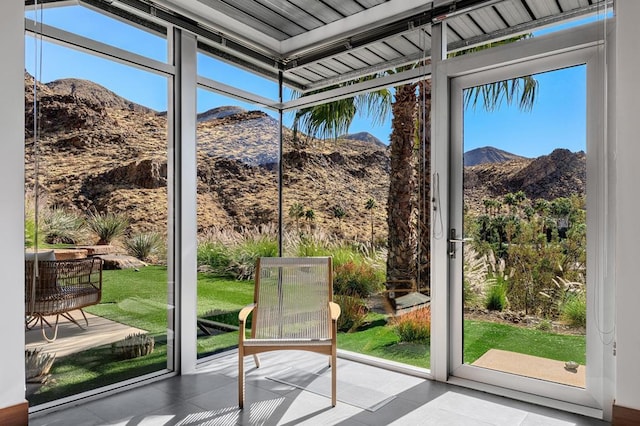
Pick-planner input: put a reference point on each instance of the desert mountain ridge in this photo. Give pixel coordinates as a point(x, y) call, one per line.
point(100, 151)
point(488, 154)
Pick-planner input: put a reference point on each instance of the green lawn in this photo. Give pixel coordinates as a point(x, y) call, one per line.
point(139, 298)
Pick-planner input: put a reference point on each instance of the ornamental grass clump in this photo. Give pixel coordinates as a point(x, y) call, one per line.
point(414, 326)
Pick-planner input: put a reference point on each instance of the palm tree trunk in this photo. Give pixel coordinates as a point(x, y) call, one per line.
point(424, 188)
point(402, 185)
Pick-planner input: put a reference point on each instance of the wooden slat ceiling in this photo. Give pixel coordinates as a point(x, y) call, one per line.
point(318, 43)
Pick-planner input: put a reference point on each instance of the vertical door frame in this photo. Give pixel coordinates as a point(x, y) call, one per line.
point(581, 45)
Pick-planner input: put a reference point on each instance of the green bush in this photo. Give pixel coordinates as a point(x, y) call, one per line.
point(356, 279)
point(353, 312)
point(574, 310)
point(144, 245)
point(414, 326)
point(216, 255)
point(107, 226)
point(496, 298)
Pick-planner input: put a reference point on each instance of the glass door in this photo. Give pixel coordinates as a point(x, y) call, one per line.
point(522, 233)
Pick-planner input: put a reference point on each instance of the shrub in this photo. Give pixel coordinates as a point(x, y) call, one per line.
point(144, 244)
point(107, 226)
point(254, 244)
point(356, 279)
point(414, 326)
point(496, 298)
point(545, 325)
point(574, 310)
point(63, 227)
point(353, 311)
point(216, 255)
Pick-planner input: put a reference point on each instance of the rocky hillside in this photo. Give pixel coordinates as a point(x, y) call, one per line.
point(98, 150)
point(559, 174)
point(101, 151)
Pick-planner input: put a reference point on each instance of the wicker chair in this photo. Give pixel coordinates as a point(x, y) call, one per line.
point(57, 287)
point(292, 309)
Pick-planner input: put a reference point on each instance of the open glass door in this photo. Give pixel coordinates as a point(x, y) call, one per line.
point(523, 237)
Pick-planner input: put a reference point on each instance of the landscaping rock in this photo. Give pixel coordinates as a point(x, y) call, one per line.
point(97, 250)
point(121, 261)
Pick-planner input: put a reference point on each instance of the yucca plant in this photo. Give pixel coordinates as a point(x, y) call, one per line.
point(134, 346)
point(62, 226)
point(107, 226)
point(37, 364)
point(143, 245)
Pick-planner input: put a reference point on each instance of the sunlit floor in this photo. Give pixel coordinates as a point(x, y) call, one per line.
point(274, 396)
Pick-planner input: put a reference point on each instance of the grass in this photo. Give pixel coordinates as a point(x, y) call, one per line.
point(139, 299)
point(376, 339)
point(480, 336)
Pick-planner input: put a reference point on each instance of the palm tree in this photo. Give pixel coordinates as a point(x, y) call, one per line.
point(326, 120)
point(296, 212)
point(402, 238)
point(370, 205)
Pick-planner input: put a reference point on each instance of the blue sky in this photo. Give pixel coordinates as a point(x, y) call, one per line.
point(557, 119)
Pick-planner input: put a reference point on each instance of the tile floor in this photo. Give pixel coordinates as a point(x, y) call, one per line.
point(209, 397)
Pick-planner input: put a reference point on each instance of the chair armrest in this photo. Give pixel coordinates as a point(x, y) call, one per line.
point(242, 318)
point(334, 308)
point(244, 313)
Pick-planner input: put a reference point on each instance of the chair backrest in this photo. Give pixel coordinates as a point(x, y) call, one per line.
point(292, 298)
point(55, 275)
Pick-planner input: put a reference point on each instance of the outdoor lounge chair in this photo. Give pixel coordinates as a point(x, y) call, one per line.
point(57, 287)
point(292, 309)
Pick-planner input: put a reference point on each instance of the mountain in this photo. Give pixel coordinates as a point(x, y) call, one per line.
point(95, 93)
point(559, 174)
point(98, 150)
point(220, 112)
point(488, 154)
point(364, 137)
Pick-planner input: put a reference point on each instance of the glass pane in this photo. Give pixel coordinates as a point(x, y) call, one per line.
point(237, 211)
point(105, 29)
point(336, 198)
point(525, 219)
point(223, 72)
point(96, 188)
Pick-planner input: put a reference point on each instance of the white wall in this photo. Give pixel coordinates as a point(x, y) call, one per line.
point(627, 156)
point(12, 203)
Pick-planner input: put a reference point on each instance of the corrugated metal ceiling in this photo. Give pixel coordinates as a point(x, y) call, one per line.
point(318, 43)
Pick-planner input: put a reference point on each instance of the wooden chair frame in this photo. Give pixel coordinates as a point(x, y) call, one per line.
point(265, 337)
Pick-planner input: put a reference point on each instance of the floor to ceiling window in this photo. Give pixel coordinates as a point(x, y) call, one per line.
point(96, 161)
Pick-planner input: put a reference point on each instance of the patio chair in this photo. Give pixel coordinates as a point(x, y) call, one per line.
point(292, 309)
point(57, 287)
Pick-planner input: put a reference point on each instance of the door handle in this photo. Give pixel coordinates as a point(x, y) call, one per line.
point(453, 240)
